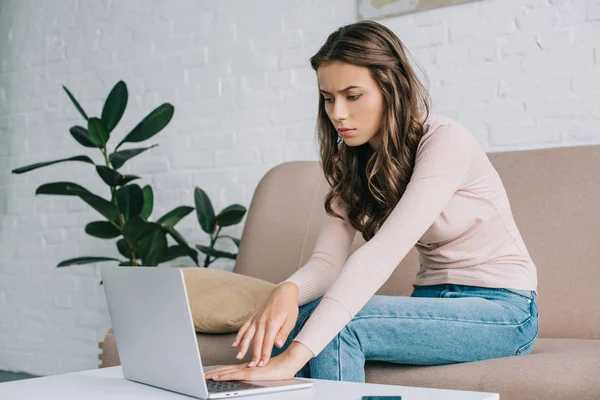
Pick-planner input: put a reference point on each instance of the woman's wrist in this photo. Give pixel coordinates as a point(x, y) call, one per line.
point(299, 353)
point(289, 287)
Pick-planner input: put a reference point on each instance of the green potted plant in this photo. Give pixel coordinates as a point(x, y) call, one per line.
point(126, 214)
point(212, 224)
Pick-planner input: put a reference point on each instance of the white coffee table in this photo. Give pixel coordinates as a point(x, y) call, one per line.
point(108, 383)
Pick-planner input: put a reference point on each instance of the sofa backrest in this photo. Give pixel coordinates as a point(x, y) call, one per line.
point(555, 198)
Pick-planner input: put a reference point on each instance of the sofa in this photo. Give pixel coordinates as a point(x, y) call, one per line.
point(555, 199)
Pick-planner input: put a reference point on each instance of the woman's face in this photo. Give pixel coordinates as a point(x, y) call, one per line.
point(352, 100)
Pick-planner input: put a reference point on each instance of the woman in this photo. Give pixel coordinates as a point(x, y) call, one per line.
point(403, 178)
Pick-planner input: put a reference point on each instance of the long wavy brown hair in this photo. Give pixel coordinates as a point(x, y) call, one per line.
point(371, 182)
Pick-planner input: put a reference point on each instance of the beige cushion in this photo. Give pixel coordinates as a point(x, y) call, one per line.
point(222, 301)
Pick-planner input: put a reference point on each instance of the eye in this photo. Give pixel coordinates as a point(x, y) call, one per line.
point(353, 98)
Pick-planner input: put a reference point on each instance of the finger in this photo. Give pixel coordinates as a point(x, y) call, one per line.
point(221, 368)
point(258, 343)
point(241, 332)
point(213, 373)
point(248, 336)
point(284, 332)
point(241, 375)
point(224, 370)
point(216, 371)
point(267, 346)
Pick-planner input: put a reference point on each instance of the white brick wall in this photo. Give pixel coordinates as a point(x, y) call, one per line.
point(519, 73)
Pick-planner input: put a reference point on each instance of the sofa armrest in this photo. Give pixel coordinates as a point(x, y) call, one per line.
point(110, 354)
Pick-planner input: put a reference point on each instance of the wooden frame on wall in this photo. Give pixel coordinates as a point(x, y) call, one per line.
point(377, 9)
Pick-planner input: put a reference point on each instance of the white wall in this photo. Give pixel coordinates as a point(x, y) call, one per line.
point(518, 73)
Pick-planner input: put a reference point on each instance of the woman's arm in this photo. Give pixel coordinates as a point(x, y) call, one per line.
point(329, 255)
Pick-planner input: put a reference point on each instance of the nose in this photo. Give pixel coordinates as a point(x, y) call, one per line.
point(340, 111)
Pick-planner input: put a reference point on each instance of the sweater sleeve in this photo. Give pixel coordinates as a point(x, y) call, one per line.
point(329, 254)
point(441, 165)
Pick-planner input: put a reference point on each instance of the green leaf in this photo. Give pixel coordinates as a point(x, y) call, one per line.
point(82, 136)
point(182, 243)
point(123, 248)
point(127, 178)
point(204, 211)
point(46, 163)
point(176, 251)
point(84, 260)
point(174, 216)
point(59, 188)
point(144, 246)
point(231, 215)
point(131, 201)
point(112, 177)
point(157, 249)
point(215, 253)
point(118, 158)
point(148, 202)
point(104, 207)
point(108, 175)
point(177, 236)
point(114, 106)
point(97, 131)
point(76, 103)
point(235, 240)
point(151, 125)
point(125, 251)
point(102, 230)
point(137, 229)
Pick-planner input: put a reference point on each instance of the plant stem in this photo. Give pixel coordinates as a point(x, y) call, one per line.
point(113, 191)
point(213, 239)
point(104, 153)
point(112, 188)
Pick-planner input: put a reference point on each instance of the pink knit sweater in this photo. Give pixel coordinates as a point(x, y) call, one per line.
point(456, 213)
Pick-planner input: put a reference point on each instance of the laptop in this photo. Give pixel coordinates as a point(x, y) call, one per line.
point(155, 335)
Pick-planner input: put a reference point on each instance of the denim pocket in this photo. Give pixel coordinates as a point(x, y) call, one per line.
point(528, 347)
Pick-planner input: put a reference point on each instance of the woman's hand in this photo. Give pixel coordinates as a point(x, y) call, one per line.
point(282, 367)
point(271, 323)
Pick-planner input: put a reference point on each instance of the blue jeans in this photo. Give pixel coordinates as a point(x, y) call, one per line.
point(437, 324)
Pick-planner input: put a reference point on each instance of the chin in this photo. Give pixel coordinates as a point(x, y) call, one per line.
point(353, 142)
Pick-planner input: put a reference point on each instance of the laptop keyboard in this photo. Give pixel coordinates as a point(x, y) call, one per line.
point(227, 386)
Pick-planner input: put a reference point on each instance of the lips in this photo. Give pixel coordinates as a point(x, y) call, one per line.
point(345, 131)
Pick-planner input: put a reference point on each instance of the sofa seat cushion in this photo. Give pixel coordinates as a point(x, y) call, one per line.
point(556, 369)
point(217, 350)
